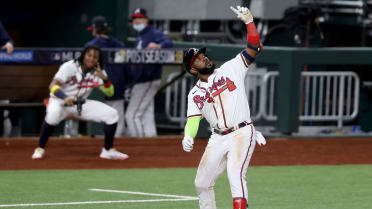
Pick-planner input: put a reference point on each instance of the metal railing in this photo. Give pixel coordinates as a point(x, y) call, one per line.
point(326, 96)
point(176, 98)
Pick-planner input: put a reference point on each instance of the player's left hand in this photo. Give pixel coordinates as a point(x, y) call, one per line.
point(69, 101)
point(260, 139)
point(99, 72)
point(187, 143)
point(153, 45)
point(243, 14)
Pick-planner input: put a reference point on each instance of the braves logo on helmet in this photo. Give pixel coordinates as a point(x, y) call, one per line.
point(189, 56)
point(139, 13)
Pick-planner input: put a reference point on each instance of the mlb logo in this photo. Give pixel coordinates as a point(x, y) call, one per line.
point(56, 56)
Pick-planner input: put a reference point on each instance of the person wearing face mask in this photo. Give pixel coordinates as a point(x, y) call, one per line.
point(146, 78)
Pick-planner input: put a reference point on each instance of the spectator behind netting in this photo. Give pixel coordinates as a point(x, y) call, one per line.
point(116, 73)
point(146, 78)
point(5, 40)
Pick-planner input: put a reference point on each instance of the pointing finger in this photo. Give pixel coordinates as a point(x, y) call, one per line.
point(234, 10)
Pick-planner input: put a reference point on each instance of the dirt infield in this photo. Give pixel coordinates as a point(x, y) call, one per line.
point(166, 152)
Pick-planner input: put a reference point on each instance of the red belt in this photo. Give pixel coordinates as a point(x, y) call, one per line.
point(227, 131)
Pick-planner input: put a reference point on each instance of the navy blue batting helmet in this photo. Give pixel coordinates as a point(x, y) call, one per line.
point(189, 56)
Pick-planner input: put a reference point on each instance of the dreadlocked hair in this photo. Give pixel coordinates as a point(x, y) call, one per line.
point(80, 59)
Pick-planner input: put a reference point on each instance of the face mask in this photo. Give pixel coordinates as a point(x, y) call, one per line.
point(139, 27)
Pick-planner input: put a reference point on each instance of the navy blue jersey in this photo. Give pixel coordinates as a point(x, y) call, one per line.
point(143, 73)
point(106, 43)
point(4, 37)
point(116, 73)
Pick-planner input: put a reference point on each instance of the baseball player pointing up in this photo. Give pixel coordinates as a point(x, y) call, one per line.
point(69, 89)
point(219, 96)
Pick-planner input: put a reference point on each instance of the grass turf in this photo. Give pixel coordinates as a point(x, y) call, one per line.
point(284, 187)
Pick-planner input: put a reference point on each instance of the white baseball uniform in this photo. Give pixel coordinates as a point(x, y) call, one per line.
point(140, 114)
point(75, 84)
point(222, 101)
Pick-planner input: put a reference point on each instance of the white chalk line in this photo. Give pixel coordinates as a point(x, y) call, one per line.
point(178, 198)
point(90, 202)
point(146, 194)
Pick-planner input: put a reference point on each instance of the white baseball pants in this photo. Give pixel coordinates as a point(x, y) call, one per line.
point(7, 127)
point(92, 110)
point(140, 111)
point(232, 152)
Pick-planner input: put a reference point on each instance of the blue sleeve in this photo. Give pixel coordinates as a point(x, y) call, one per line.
point(162, 39)
point(92, 42)
point(120, 44)
point(88, 44)
point(116, 43)
point(4, 37)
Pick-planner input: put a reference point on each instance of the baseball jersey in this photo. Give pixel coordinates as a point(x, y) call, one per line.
point(222, 100)
point(74, 83)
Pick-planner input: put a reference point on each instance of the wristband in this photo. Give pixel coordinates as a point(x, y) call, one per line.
point(55, 88)
point(107, 83)
point(257, 49)
point(59, 93)
point(247, 56)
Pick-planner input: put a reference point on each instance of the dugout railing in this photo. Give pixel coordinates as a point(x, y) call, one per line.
point(325, 96)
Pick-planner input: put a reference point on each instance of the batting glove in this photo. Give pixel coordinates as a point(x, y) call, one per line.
point(187, 143)
point(243, 13)
point(260, 139)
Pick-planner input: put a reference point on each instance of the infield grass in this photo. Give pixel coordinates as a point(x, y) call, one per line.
point(284, 187)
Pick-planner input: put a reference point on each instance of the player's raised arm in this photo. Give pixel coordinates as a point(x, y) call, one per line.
point(108, 87)
point(253, 38)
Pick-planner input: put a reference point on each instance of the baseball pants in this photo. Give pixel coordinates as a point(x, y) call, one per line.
point(118, 105)
point(7, 127)
point(232, 152)
point(92, 110)
point(140, 111)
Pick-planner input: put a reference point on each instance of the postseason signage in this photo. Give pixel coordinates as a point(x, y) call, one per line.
point(149, 56)
point(56, 56)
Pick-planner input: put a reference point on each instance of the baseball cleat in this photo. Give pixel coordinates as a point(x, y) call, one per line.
point(112, 154)
point(38, 153)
